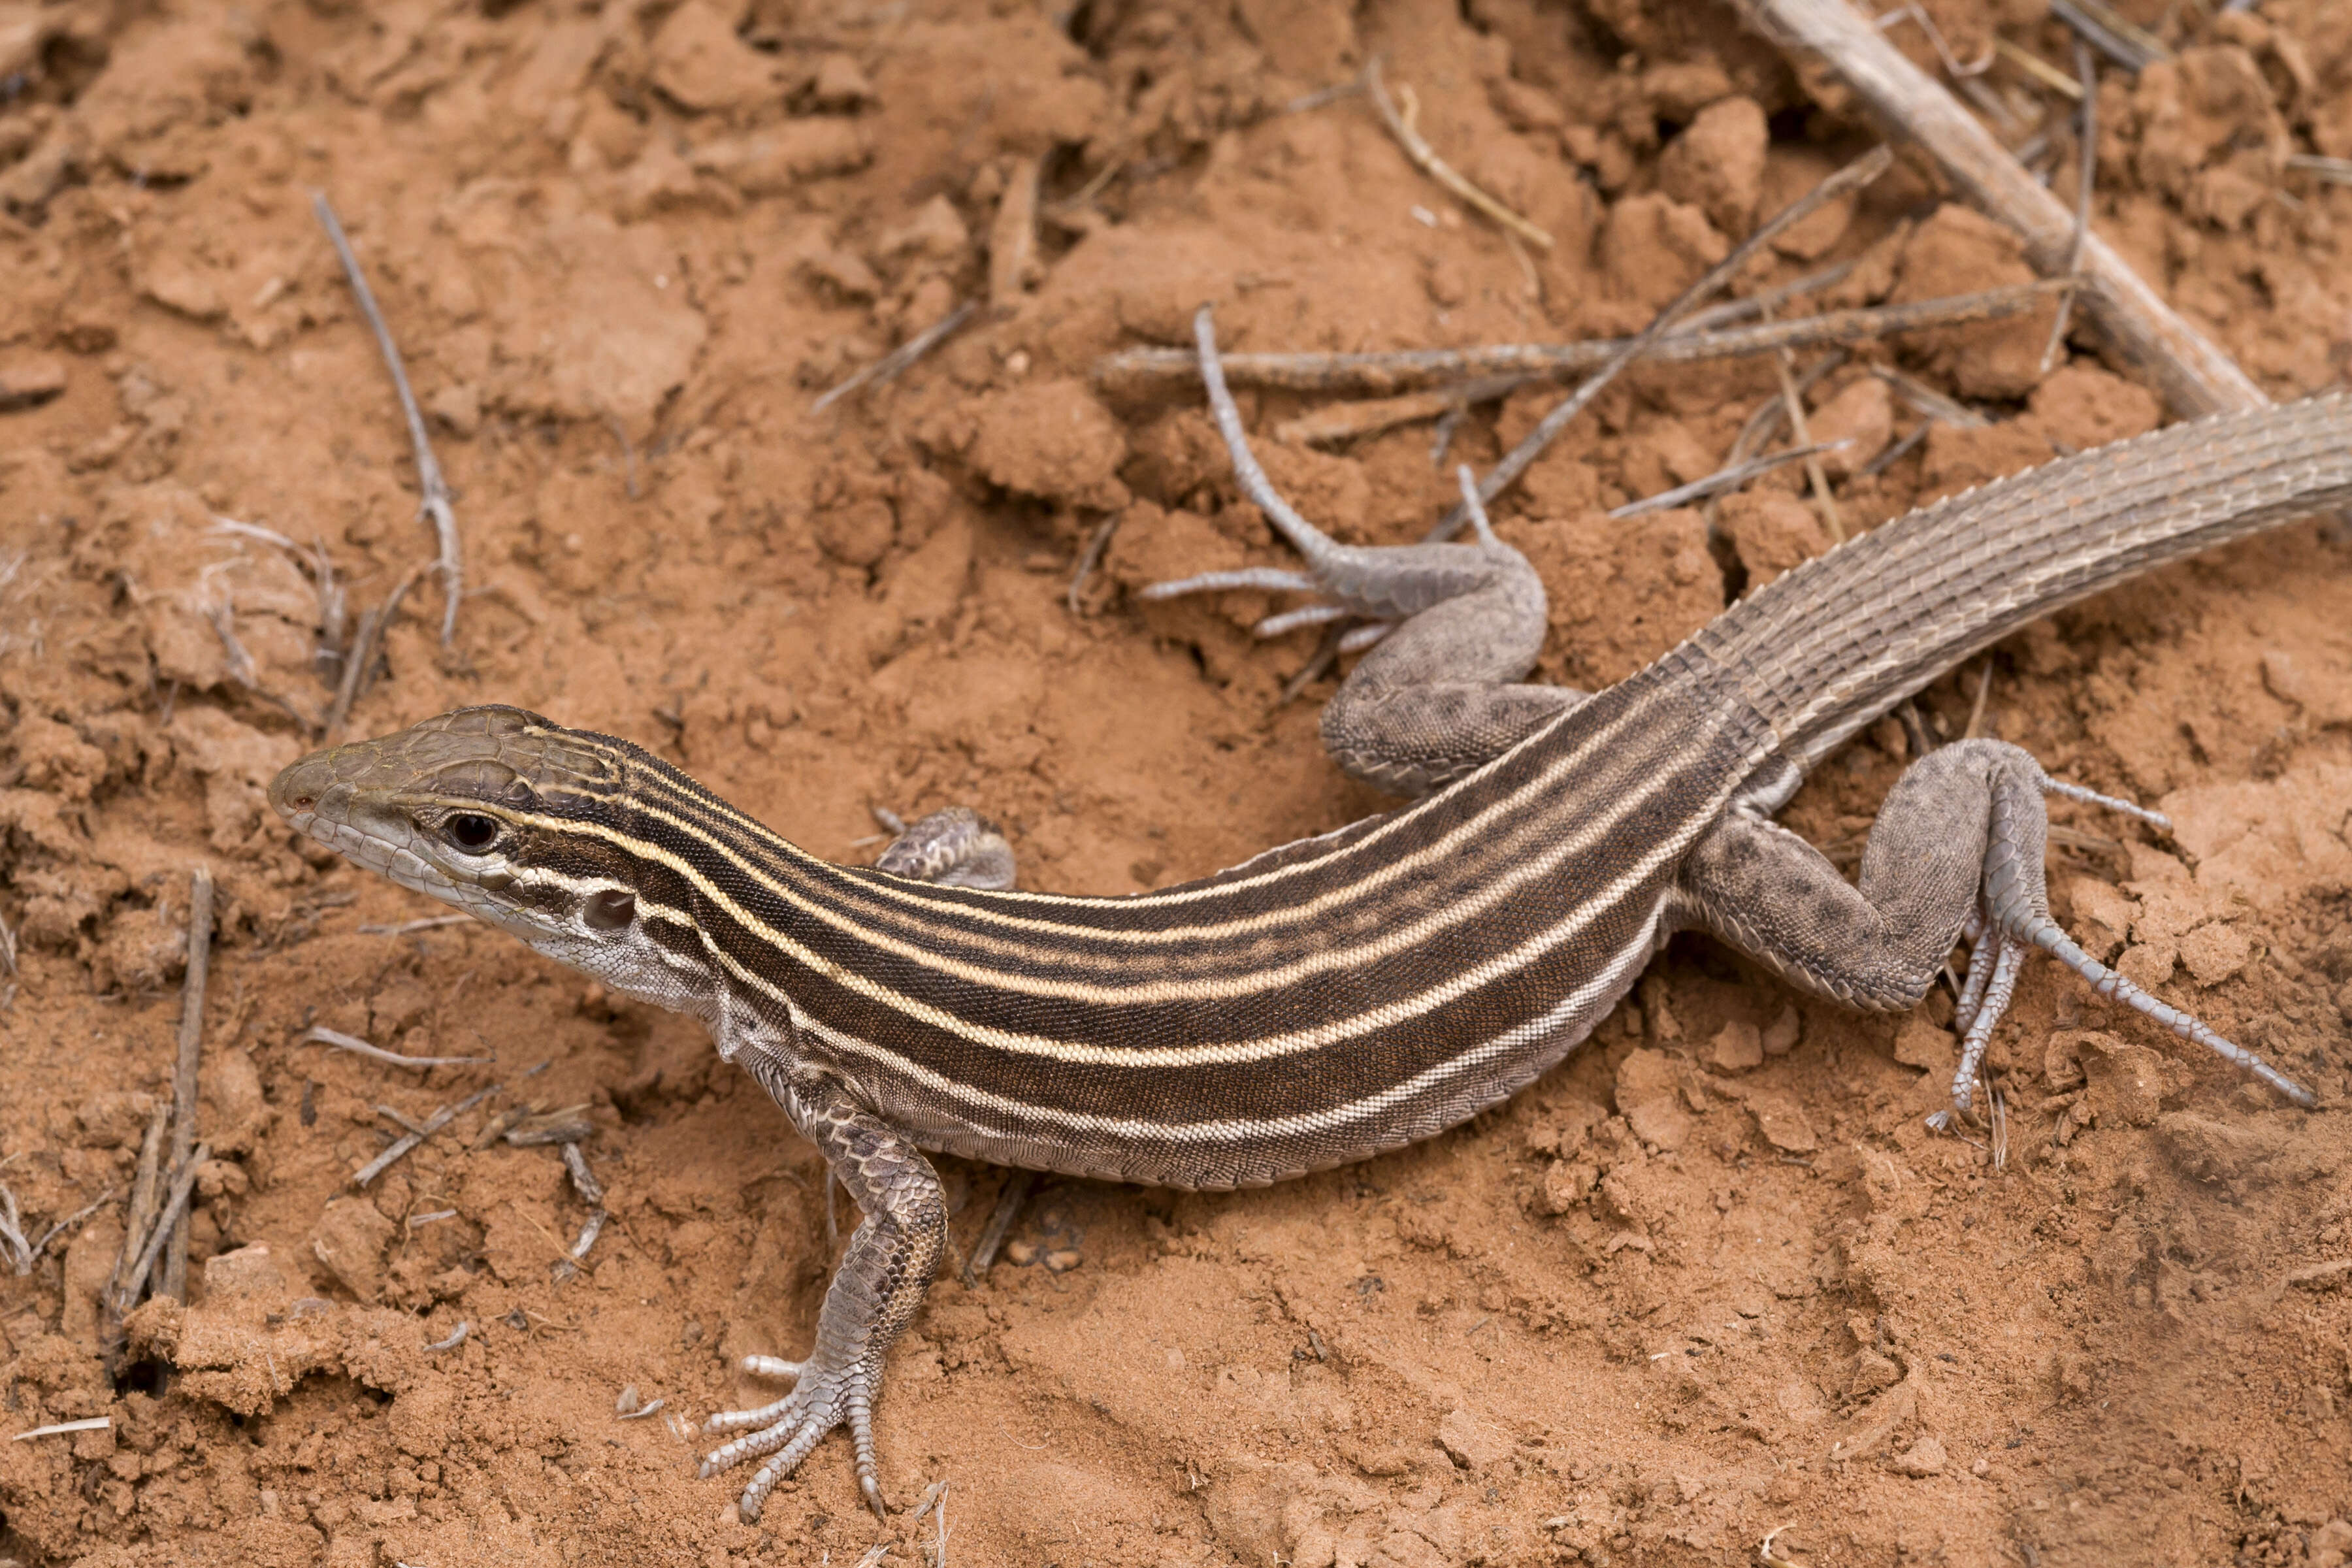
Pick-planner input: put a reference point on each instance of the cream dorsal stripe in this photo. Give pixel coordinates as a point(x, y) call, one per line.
point(770, 940)
point(760, 860)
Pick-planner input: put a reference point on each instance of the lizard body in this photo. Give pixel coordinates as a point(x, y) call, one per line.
point(1360, 991)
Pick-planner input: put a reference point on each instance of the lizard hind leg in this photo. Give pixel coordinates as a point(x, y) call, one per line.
point(1457, 625)
point(1958, 845)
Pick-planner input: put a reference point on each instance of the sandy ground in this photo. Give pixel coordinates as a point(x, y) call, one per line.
point(1710, 1279)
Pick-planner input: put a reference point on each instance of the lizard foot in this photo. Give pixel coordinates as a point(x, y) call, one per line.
point(824, 1397)
point(2004, 928)
point(957, 847)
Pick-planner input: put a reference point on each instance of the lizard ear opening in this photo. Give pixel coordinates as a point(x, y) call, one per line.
point(610, 910)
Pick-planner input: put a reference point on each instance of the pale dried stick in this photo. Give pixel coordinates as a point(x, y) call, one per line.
point(400, 1146)
point(1722, 479)
point(894, 362)
point(2087, 156)
point(364, 641)
point(2041, 70)
point(2132, 46)
point(1336, 422)
point(1396, 370)
point(1012, 237)
point(1853, 177)
point(1098, 542)
point(14, 1250)
point(1425, 158)
point(176, 1207)
point(175, 1282)
point(1792, 405)
point(1000, 1220)
point(2335, 171)
point(41, 1247)
point(2191, 374)
point(146, 1193)
point(409, 928)
point(433, 490)
point(321, 1035)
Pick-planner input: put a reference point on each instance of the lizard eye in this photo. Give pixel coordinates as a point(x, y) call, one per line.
point(471, 831)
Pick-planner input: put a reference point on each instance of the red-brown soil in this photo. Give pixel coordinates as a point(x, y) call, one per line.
point(1711, 1280)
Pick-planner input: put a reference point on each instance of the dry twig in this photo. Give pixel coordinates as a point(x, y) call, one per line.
point(896, 361)
point(1723, 480)
point(434, 491)
point(1853, 177)
point(400, 1147)
point(146, 1193)
point(359, 663)
point(321, 1035)
point(409, 928)
point(168, 1222)
point(2336, 170)
point(1416, 147)
point(2132, 46)
point(1398, 371)
point(40, 1249)
point(1000, 1220)
point(1336, 422)
point(185, 1076)
point(2086, 157)
point(1098, 542)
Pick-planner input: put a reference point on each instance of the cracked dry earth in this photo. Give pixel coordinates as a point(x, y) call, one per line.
point(1710, 1279)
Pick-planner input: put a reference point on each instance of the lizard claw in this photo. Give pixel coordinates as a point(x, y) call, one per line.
point(823, 1398)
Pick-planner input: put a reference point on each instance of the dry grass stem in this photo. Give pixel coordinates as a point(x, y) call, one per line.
point(399, 1147)
point(2130, 45)
point(168, 1222)
point(433, 488)
point(185, 1073)
point(321, 1035)
point(2040, 69)
point(1337, 422)
point(409, 928)
point(1402, 126)
point(1927, 400)
point(583, 1180)
point(2336, 170)
point(41, 1247)
point(1000, 1220)
point(1792, 407)
point(1977, 708)
point(894, 364)
point(1720, 481)
point(1090, 558)
point(1012, 237)
point(2086, 157)
point(359, 663)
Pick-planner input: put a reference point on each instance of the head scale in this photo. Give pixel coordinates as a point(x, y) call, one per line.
point(493, 810)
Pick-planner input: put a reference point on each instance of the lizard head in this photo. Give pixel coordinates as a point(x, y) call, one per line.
point(496, 811)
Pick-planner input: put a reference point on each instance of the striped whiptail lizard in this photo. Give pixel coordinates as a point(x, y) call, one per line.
point(1354, 993)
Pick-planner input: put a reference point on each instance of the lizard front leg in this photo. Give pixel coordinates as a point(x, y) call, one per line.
point(1956, 850)
point(882, 1277)
point(874, 1296)
point(1458, 625)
